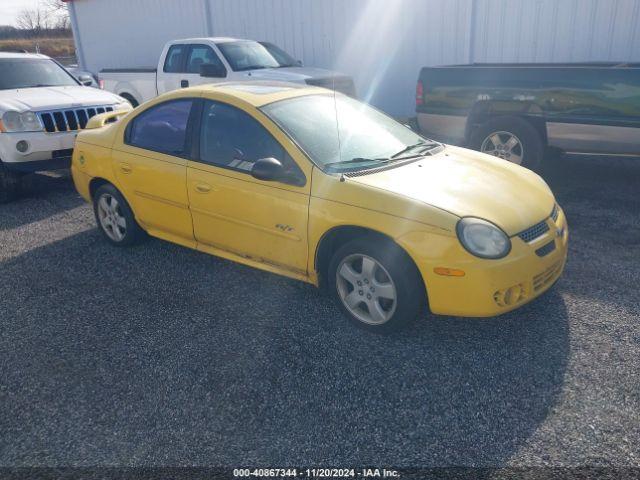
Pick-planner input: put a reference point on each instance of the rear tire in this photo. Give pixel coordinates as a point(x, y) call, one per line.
point(510, 138)
point(129, 98)
point(376, 285)
point(115, 218)
point(9, 184)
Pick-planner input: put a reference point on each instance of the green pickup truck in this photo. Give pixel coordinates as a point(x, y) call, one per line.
point(517, 111)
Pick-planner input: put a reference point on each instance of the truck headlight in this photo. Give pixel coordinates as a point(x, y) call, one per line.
point(124, 106)
point(483, 239)
point(13, 121)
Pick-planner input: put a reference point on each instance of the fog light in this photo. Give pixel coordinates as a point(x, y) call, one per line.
point(22, 146)
point(511, 296)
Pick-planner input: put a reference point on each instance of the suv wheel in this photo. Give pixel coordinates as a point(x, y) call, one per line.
point(376, 285)
point(510, 138)
point(115, 218)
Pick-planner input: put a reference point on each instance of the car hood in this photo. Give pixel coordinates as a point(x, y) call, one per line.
point(51, 98)
point(468, 183)
point(292, 74)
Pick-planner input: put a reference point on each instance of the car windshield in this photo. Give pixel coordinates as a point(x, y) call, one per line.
point(247, 55)
point(32, 72)
point(282, 57)
point(343, 134)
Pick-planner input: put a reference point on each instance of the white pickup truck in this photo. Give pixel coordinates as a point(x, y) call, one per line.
point(42, 108)
point(195, 61)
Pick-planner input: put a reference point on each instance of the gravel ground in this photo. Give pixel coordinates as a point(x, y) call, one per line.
point(159, 355)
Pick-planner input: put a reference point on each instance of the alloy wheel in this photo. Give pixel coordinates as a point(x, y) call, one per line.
point(111, 219)
point(503, 145)
point(366, 289)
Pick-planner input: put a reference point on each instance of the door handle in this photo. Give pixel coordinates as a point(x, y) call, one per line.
point(184, 83)
point(203, 188)
point(125, 168)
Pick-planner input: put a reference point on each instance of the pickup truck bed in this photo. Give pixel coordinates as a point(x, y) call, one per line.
point(142, 81)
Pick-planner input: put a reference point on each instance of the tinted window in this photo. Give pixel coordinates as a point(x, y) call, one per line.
point(162, 128)
point(200, 55)
point(231, 138)
point(175, 59)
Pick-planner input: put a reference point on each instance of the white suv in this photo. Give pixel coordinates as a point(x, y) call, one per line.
point(42, 107)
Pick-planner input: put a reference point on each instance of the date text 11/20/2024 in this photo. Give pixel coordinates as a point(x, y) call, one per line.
point(316, 472)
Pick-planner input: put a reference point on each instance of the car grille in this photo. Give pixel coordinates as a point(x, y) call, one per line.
point(555, 212)
point(546, 249)
point(70, 120)
point(531, 233)
point(341, 84)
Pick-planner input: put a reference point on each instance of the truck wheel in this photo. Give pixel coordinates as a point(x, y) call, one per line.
point(115, 218)
point(9, 184)
point(129, 98)
point(509, 138)
point(376, 285)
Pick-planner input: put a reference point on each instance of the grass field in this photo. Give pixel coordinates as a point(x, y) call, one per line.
point(58, 47)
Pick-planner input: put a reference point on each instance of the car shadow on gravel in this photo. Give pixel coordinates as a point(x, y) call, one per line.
point(162, 355)
point(42, 195)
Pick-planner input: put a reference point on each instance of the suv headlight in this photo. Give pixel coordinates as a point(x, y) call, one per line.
point(483, 239)
point(13, 121)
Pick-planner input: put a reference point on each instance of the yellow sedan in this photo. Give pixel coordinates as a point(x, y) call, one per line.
point(322, 188)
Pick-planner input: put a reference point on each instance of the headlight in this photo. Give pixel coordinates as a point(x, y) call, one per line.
point(21, 122)
point(123, 106)
point(483, 239)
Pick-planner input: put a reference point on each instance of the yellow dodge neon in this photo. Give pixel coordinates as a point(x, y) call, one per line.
point(325, 189)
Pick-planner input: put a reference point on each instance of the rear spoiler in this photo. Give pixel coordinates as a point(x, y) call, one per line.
point(102, 119)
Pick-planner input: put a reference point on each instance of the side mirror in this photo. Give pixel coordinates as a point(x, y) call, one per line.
point(298, 63)
point(268, 169)
point(85, 80)
point(212, 70)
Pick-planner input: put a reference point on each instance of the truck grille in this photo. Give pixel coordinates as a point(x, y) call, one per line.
point(70, 120)
point(342, 84)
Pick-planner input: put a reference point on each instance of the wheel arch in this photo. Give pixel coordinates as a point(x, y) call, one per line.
point(128, 92)
point(96, 183)
point(484, 111)
point(337, 236)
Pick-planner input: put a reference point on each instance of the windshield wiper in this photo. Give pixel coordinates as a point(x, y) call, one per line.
point(356, 160)
point(409, 148)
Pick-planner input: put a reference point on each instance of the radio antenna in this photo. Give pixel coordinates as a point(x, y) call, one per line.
point(335, 103)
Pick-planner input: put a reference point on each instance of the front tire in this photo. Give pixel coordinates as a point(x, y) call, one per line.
point(115, 218)
point(376, 285)
point(510, 138)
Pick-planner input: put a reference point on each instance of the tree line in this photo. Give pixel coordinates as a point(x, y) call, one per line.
point(49, 18)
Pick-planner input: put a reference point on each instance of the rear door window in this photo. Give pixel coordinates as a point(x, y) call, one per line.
point(174, 62)
point(162, 128)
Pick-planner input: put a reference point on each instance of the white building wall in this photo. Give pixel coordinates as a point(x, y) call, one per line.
point(381, 43)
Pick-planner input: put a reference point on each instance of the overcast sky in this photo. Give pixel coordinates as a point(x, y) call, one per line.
point(9, 10)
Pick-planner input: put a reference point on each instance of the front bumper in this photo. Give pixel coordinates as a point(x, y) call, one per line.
point(47, 151)
point(493, 287)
